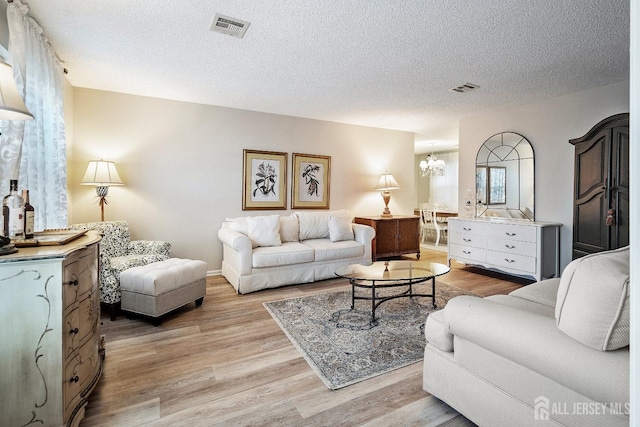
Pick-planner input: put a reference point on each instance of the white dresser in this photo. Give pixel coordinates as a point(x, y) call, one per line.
point(50, 346)
point(520, 248)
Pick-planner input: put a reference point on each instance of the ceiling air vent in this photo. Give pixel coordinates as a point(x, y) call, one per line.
point(467, 87)
point(231, 26)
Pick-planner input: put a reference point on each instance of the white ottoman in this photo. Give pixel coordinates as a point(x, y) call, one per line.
point(157, 288)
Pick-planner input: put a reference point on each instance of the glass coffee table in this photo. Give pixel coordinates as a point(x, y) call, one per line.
point(400, 275)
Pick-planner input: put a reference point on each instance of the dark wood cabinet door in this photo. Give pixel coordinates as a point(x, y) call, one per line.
point(601, 187)
point(620, 187)
point(590, 204)
point(386, 237)
point(408, 235)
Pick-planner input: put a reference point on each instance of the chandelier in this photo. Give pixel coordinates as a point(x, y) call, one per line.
point(432, 166)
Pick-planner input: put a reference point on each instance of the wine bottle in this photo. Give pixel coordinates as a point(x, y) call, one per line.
point(29, 216)
point(13, 212)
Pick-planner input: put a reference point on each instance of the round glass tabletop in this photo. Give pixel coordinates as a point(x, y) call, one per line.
point(393, 270)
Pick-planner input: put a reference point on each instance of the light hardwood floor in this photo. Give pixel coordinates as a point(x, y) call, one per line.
point(227, 363)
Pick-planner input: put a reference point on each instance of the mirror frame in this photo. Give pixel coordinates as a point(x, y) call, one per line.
point(496, 153)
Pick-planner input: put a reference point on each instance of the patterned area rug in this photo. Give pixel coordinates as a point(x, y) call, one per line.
point(340, 344)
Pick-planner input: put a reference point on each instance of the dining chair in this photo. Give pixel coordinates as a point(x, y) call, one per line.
point(426, 224)
point(440, 226)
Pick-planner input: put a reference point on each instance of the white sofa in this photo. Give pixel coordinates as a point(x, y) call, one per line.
point(269, 251)
point(552, 353)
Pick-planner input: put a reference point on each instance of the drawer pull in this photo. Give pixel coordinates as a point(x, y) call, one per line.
point(509, 247)
point(510, 234)
point(466, 252)
point(74, 379)
point(466, 240)
point(466, 229)
point(510, 260)
point(74, 331)
point(74, 282)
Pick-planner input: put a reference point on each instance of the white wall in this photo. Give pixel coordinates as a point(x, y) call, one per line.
point(181, 164)
point(548, 125)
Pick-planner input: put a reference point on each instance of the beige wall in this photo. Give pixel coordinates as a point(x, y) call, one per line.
point(182, 164)
point(548, 125)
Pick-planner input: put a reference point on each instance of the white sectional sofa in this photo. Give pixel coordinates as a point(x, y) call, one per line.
point(269, 251)
point(552, 353)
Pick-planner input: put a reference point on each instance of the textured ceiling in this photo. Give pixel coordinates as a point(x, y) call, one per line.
point(381, 63)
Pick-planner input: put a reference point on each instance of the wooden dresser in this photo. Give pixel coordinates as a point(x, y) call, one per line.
point(51, 351)
point(395, 236)
point(520, 248)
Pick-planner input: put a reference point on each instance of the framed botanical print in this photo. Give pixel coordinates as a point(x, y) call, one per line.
point(265, 180)
point(311, 181)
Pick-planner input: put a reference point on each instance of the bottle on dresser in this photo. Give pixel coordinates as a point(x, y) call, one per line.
point(13, 212)
point(29, 215)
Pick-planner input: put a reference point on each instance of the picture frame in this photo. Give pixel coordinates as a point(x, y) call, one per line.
point(264, 183)
point(311, 176)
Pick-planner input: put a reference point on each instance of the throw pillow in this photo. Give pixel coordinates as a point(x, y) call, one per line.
point(240, 224)
point(315, 225)
point(593, 300)
point(340, 228)
point(264, 230)
point(289, 228)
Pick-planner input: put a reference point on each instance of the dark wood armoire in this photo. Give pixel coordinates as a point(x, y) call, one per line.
point(601, 187)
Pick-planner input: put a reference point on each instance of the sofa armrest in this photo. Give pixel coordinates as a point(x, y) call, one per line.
point(237, 250)
point(364, 234)
point(534, 341)
point(148, 247)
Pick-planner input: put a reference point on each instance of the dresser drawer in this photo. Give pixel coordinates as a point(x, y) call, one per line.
point(511, 246)
point(467, 252)
point(468, 239)
point(515, 232)
point(80, 272)
point(472, 227)
point(521, 263)
point(80, 324)
point(80, 372)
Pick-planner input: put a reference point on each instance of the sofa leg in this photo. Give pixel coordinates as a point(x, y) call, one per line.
point(199, 301)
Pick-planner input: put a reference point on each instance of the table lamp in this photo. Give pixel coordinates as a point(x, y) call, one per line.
point(102, 174)
point(387, 183)
point(11, 104)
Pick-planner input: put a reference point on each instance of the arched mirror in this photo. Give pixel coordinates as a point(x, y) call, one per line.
point(505, 177)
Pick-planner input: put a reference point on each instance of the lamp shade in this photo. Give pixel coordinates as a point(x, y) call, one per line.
point(101, 173)
point(11, 104)
point(387, 182)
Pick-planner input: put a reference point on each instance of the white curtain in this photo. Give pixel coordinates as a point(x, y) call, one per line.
point(443, 190)
point(34, 151)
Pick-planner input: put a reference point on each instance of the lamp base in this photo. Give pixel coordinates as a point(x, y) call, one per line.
point(386, 213)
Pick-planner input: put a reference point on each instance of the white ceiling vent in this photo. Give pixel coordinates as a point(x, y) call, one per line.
point(467, 87)
point(231, 26)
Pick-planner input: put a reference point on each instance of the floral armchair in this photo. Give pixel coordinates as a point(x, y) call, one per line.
point(118, 253)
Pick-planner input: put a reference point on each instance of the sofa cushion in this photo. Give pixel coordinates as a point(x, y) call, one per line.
point(593, 300)
point(264, 230)
point(340, 228)
point(289, 228)
point(326, 250)
point(286, 254)
point(544, 292)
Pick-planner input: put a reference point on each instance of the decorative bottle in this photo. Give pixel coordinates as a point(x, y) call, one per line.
point(13, 212)
point(29, 216)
